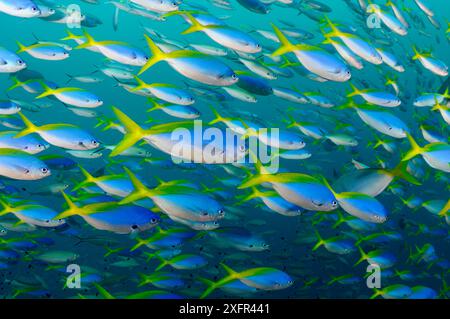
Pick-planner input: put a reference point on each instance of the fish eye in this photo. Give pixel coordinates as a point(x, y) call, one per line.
point(134, 227)
point(20, 62)
point(205, 213)
point(94, 142)
point(153, 220)
point(27, 171)
point(250, 246)
point(234, 77)
point(334, 203)
point(44, 170)
point(220, 212)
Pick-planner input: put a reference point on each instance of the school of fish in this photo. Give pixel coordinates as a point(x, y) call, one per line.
point(351, 97)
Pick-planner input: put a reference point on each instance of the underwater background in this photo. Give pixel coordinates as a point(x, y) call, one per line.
point(268, 234)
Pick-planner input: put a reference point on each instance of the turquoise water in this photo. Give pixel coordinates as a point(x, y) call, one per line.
point(411, 244)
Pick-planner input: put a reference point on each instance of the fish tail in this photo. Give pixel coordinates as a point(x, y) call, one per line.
point(417, 54)
point(18, 292)
point(445, 288)
point(17, 83)
point(371, 8)
point(47, 90)
point(211, 286)
point(401, 171)
point(363, 256)
point(22, 48)
point(70, 78)
point(144, 279)
point(263, 174)
point(157, 55)
point(255, 193)
point(132, 197)
point(156, 105)
point(355, 91)
point(218, 118)
point(140, 190)
point(109, 252)
point(88, 179)
point(71, 36)
point(286, 45)
point(347, 105)
point(445, 209)
point(140, 242)
point(332, 280)
point(90, 41)
point(339, 221)
point(254, 180)
point(141, 84)
point(71, 210)
point(105, 294)
point(327, 39)
point(292, 122)
point(229, 271)
point(163, 263)
point(378, 144)
point(195, 25)
point(29, 127)
point(334, 31)
point(438, 107)
point(150, 256)
point(5, 208)
point(133, 133)
point(376, 293)
point(415, 149)
point(108, 124)
point(320, 241)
